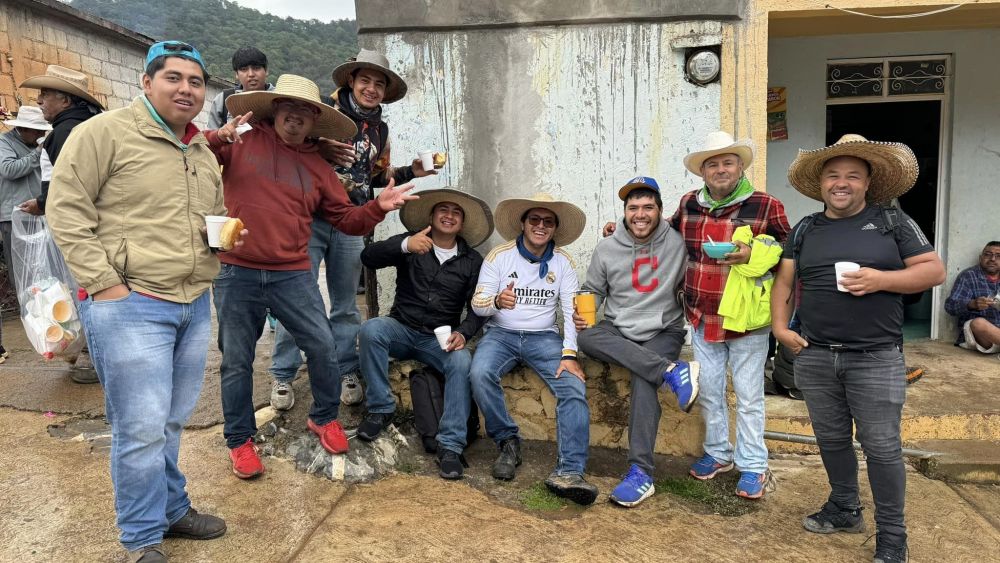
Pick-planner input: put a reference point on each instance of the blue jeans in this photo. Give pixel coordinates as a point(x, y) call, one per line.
point(383, 337)
point(867, 390)
point(342, 254)
point(150, 357)
point(497, 353)
point(746, 357)
point(242, 298)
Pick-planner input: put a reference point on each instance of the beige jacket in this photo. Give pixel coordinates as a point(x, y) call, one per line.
point(127, 205)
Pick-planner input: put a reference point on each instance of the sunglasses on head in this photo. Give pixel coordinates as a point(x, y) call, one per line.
point(535, 220)
point(175, 46)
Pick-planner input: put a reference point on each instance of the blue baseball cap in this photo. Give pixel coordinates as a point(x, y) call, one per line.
point(636, 183)
point(174, 49)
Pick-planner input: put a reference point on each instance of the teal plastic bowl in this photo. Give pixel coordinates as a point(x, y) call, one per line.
point(718, 250)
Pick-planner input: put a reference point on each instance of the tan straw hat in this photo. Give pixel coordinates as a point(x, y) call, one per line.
point(572, 219)
point(893, 167)
point(65, 80)
point(395, 88)
point(477, 224)
point(716, 143)
point(330, 123)
point(29, 117)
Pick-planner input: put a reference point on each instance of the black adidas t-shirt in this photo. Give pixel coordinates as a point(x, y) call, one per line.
point(829, 316)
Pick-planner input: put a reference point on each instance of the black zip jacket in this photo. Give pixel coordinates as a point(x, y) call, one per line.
point(62, 125)
point(429, 294)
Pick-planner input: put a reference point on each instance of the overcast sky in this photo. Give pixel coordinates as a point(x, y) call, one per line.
point(322, 10)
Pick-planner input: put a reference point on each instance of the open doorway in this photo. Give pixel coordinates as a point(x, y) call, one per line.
point(918, 125)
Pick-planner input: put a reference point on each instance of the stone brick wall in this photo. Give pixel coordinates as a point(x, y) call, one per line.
point(37, 33)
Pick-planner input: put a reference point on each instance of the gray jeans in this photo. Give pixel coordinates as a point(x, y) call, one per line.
point(647, 361)
point(866, 389)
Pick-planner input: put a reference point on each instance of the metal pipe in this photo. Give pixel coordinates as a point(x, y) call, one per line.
point(811, 440)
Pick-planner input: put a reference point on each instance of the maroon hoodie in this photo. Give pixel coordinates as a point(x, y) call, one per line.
point(275, 189)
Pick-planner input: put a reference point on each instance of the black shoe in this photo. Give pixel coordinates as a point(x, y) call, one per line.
point(770, 388)
point(148, 554)
point(452, 464)
point(831, 518)
point(430, 444)
point(889, 553)
point(508, 460)
point(573, 487)
point(373, 424)
point(796, 394)
point(194, 526)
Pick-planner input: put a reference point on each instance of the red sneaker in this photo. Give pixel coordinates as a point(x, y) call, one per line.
point(331, 436)
point(246, 462)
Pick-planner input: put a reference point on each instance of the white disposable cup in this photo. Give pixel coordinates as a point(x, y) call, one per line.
point(842, 268)
point(427, 159)
point(443, 333)
point(214, 224)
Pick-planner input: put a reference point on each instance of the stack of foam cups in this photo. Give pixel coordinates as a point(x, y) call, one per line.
point(51, 319)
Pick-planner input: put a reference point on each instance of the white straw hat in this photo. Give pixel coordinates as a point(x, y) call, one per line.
point(330, 123)
point(29, 117)
point(716, 143)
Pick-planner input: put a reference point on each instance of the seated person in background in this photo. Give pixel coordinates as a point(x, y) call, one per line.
point(973, 301)
point(436, 273)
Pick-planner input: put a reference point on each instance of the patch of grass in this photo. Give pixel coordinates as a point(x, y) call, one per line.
point(407, 467)
point(538, 497)
point(716, 495)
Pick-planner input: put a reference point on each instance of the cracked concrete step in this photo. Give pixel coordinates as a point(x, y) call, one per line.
point(962, 461)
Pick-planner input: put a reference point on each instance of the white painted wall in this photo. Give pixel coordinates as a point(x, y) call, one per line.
point(974, 205)
point(572, 110)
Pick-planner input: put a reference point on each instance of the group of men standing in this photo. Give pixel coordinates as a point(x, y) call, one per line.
point(127, 208)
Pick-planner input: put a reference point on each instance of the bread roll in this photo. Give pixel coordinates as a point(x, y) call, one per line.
point(439, 159)
point(231, 233)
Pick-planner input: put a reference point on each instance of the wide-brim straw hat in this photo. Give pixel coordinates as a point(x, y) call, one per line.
point(29, 117)
point(572, 219)
point(477, 224)
point(716, 143)
point(894, 167)
point(395, 88)
point(330, 123)
point(65, 80)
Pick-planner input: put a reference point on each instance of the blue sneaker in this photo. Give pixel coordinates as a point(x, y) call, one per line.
point(751, 484)
point(634, 488)
point(707, 467)
point(682, 379)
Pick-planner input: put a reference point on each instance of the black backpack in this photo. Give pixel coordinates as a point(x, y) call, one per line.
point(427, 395)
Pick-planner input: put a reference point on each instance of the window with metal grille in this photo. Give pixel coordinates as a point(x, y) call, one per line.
point(887, 77)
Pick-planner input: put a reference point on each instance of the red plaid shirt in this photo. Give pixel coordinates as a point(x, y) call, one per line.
point(706, 278)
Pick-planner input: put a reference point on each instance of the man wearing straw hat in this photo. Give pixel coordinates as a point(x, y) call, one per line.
point(521, 284)
point(853, 265)
point(713, 212)
point(65, 102)
point(127, 208)
point(637, 273)
point(436, 272)
point(275, 181)
point(364, 83)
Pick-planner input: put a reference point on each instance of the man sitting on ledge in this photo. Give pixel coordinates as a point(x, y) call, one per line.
point(974, 301)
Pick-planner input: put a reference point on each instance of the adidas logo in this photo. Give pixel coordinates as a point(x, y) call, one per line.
point(869, 227)
point(512, 275)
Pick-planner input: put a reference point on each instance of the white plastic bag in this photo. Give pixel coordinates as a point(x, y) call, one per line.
point(45, 289)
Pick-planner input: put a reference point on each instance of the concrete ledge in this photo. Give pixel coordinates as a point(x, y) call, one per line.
point(962, 461)
point(384, 16)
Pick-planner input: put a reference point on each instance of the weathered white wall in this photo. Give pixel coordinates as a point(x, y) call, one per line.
point(800, 65)
point(572, 110)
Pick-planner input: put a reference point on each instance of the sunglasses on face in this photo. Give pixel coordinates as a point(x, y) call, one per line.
point(297, 107)
point(547, 222)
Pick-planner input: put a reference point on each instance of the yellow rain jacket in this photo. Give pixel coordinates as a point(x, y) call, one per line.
point(746, 301)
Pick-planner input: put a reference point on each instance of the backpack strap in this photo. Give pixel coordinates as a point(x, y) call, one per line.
point(800, 230)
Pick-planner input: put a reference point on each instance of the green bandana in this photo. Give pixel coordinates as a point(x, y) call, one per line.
point(158, 119)
point(743, 189)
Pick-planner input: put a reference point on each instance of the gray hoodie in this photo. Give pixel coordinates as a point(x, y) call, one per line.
point(20, 173)
point(638, 283)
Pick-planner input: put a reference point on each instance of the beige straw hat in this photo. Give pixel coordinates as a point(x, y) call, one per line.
point(65, 80)
point(716, 143)
point(894, 167)
point(572, 219)
point(395, 88)
point(29, 117)
point(330, 123)
point(477, 225)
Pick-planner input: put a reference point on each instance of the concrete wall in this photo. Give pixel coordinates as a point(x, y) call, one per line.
point(574, 110)
point(800, 64)
point(37, 33)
